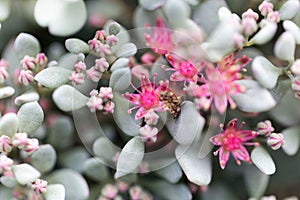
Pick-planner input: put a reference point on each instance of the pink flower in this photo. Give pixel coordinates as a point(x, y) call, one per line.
point(39, 186)
point(5, 144)
point(184, 70)
point(41, 60)
point(106, 93)
point(232, 140)
point(147, 99)
point(160, 38)
point(93, 74)
point(275, 141)
point(5, 163)
point(77, 78)
point(28, 63)
point(25, 77)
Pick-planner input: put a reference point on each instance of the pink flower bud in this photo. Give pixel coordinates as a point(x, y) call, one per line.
point(148, 133)
point(94, 93)
point(274, 17)
point(41, 60)
point(143, 168)
point(95, 103)
point(275, 141)
point(296, 67)
point(249, 26)
point(103, 50)
point(3, 74)
point(148, 58)
point(265, 128)
point(39, 186)
point(109, 107)
point(250, 14)
point(25, 77)
point(31, 146)
point(101, 64)
point(93, 74)
point(122, 186)
point(77, 78)
point(238, 40)
point(136, 193)
point(265, 8)
point(112, 40)
point(94, 44)
point(5, 144)
point(296, 84)
point(28, 63)
point(80, 67)
point(3, 63)
point(109, 191)
point(151, 118)
point(202, 103)
point(20, 140)
point(5, 163)
point(100, 35)
point(106, 93)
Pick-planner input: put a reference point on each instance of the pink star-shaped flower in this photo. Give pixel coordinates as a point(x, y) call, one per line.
point(232, 140)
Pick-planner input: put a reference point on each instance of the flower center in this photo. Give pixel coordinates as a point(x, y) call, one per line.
point(149, 99)
point(187, 70)
point(231, 141)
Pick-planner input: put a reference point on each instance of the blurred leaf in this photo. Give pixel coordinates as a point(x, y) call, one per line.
point(25, 173)
point(285, 47)
point(26, 44)
point(119, 64)
point(73, 158)
point(68, 61)
point(198, 170)
point(178, 11)
point(55, 192)
point(9, 124)
point(6, 193)
point(105, 150)
point(291, 137)
point(217, 192)
point(124, 121)
point(95, 170)
point(120, 79)
point(265, 34)
point(53, 77)
point(265, 72)
point(114, 28)
point(130, 157)
point(75, 45)
point(172, 173)
point(126, 50)
point(27, 97)
point(262, 159)
point(68, 98)
point(31, 116)
point(255, 98)
point(44, 159)
point(280, 89)
point(4, 9)
point(188, 125)
point(8, 181)
point(151, 4)
point(289, 9)
point(256, 182)
point(6, 92)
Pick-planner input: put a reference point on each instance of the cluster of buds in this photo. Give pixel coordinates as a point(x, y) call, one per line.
point(3, 70)
point(102, 43)
point(30, 66)
point(274, 140)
point(78, 76)
point(96, 71)
point(148, 133)
point(266, 10)
point(295, 68)
point(29, 145)
point(101, 100)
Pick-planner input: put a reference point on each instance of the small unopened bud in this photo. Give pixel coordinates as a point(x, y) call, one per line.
point(296, 67)
point(148, 58)
point(265, 128)
point(3, 74)
point(100, 35)
point(250, 14)
point(109, 107)
point(274, 17)
point(80, 67)
point(296, 86)
point(94, 44)
point(265, 8)
point(25, 77)
point(20, 140)
point(275, 141)
point(103, 50)
point(41, 60)
point(151, 118)
point(101, 64)
point(93, 74)
point(77, 78)
point(95, 103)
point(112, 40)
point(110, 191)
point(5, 144)
point(148, 133)
point(3, 63)
point(106, 93)
point(31, 146)
point(5, 163)
point(28, 63)
point(249, 26)
point(136, 192)
point(39, 186)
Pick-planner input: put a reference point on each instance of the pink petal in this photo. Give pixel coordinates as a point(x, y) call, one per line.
point(232, 124)
point(241, 154)
point(132, 98)
point(246, 135)
point(140, 113)
point(146, 84)
point(216, 140)
point(220, 103)
point(223, 157)
point(176, 76)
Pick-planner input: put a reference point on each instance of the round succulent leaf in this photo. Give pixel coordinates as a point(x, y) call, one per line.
point(171, 173)
point(68, 61)
point(4, 9)
point(289, 9)
point(95, 170)
point(119, 64)
point(104, 149)
point(263, 161)
point(114, 28)
point(26, 44)
point(53, 77)
point(124, 121)
point(31, 116)
point(44, 159)
point(25, 173)
point(6, 193)
point(61, 134)
point(130, 157)
point(265, 34)
point(9, 124)
point(55, 192)
point(198, 170)
point(67, 98)
point(27, 97)
point(265, 72)
point(8, 181)
point(126, 50)
point(120, 79)
point(75, 45)
point(75, 185)
point(73, 159)
point(151, 4)
point(69, 16)
point(256, 182)
point(293, 29)
point(188, 122)
point(285, 47)
point(255, 98)
point(291, 140)
point(6, 92)
point(178, 11)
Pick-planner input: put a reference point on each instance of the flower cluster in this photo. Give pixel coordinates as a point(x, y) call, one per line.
point(101, 100)
point(102, 43)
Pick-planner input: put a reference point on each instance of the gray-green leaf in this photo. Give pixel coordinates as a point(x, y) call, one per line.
point(262, 159)
point(291, 140)
point(44, 158)
point(55, 192)
point(151, 4)
point(120, 79)
point(25, 173)
point(9, 124)
point(75, 45)
point(26, 44)
point(126, 50)
point(6, 92)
